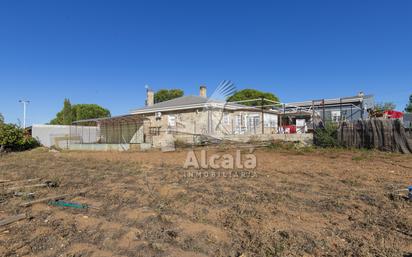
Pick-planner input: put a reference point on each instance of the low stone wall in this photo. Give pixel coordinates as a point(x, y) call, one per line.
point(306, 139)
point(99, 147)
point(161, 142)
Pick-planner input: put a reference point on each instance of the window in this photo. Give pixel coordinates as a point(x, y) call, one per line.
point(271, 120)
point(171, 120)
point(240, 124)
point(226, 119)
point(335, 116)
point(253, 121)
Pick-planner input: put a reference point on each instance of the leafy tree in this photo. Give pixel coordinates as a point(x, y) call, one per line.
point(1, 119)
point(65, 116)
point(16, 139)
point(387, 106)
point(89, 111)
point(67, 112)
point(167, 94)
point(408, 107)
point(71, 113)
point(249, 94)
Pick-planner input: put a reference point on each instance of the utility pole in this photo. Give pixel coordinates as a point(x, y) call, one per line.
point(25, 103)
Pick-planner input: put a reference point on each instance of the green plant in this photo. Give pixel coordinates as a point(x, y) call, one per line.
point(250, 94)
point(167, 94)
point(15, 138)
point(326, 136)
point(71, 113)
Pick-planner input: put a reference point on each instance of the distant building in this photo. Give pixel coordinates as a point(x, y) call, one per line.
point(328, 110)
point(407, 120)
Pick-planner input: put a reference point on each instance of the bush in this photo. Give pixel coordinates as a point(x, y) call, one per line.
point(326, 136)
point(15, 139)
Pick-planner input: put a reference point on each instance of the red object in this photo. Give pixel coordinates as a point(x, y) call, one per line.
point(393, 114)
point(289, 129)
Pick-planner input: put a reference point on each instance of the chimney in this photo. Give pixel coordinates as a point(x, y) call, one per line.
point(149, 97)
point(203, 91)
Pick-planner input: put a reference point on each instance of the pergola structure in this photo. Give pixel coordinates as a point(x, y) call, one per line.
point(111, 130)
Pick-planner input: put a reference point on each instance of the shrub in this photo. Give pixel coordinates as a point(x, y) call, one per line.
point(15, 139)
point(326, 136)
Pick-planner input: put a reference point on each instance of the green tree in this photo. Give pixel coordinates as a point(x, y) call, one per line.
point(249, 94)
point(65, 116)
point(167, 94)
point(89, 111)
point(67, 112)
point(1, 119)
point(71, 113)
point(408, 107)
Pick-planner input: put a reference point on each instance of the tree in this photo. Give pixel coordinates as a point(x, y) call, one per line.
point(71, 113)
point(1, 119)
point(408, 107)
point(89, 111)
point(167, 94)
point(67, 112)
point(65, 116)
point(249, 94)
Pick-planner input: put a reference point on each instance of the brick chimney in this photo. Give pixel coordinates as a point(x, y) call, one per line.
point(203, 91)
point(149, 97)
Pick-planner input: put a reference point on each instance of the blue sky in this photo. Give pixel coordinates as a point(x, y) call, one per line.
point(104, 52)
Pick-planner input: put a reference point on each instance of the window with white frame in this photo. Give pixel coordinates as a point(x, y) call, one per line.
point(253, 121)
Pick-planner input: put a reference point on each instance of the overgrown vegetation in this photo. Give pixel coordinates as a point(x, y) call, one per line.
point(14, 138)
point(326, 136)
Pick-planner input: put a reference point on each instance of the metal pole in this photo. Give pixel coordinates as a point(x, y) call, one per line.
point(284, 114)
point(323, 110)
point(361, 110)
point(24, 102)
point(263, 121)
point(313, 114)
point(351, 113)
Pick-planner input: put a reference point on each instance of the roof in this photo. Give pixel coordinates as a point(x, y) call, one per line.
point(189, 102)
point(119, 118)
point(330, 101)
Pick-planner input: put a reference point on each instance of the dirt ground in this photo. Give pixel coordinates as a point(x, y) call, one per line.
point(295, 203)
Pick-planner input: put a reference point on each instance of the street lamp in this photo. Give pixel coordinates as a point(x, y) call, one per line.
point(25, 103)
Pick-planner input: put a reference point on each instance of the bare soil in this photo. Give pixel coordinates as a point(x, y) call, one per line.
point(297, 203)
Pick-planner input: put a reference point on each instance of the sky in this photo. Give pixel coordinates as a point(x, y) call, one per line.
point(105, 52)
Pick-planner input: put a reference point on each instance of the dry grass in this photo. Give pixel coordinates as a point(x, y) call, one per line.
point(302, 202)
